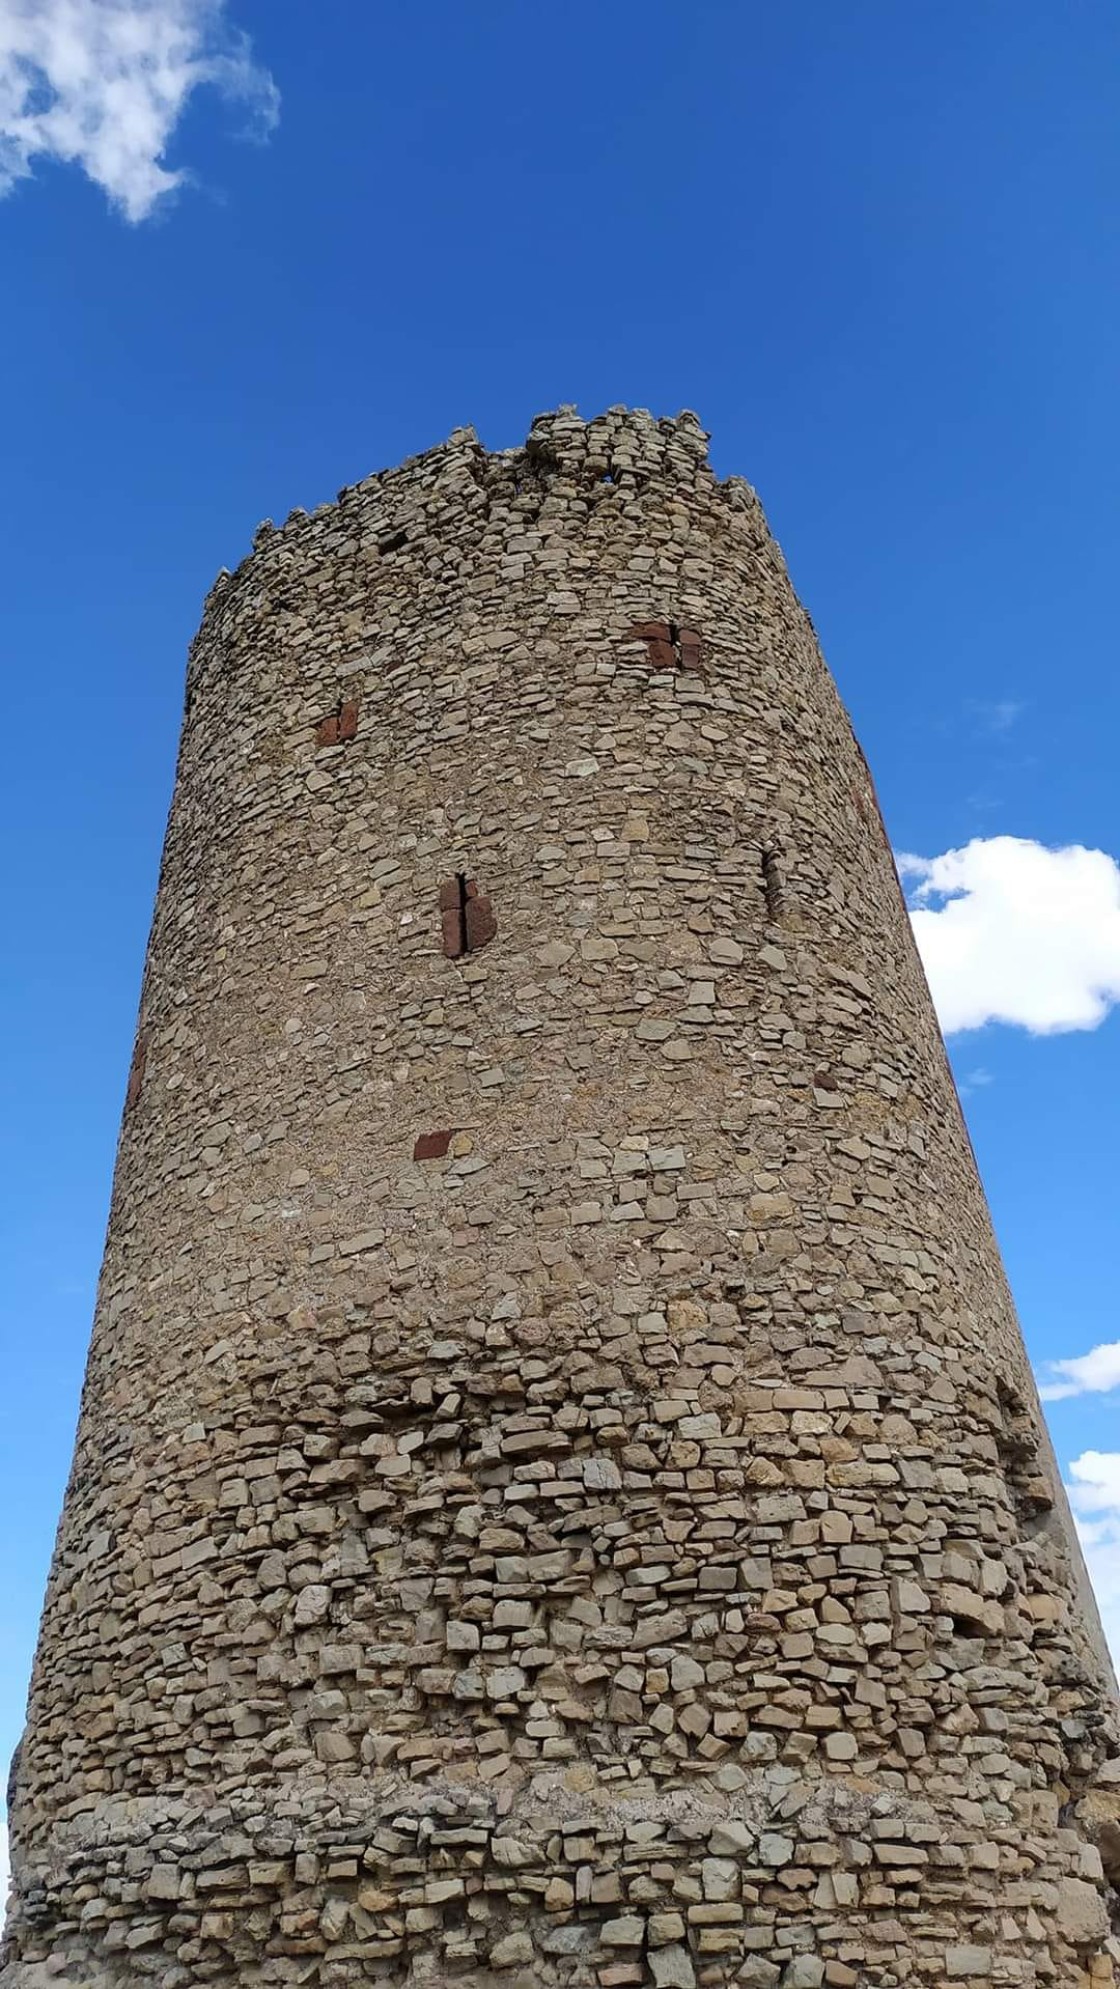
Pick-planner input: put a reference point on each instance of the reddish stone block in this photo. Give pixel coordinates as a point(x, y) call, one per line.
point(662, 656)
point(348, 720)
point(432, 1146)
point(480, 923)
point(691, 649)
point(652, 631)
point(451, 922)
point(327, 734)
point(449, 895)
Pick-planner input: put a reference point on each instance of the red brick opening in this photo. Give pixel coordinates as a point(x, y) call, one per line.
point(690, 649)
point(467, 920)
point(670, 646)
point(432, 1146)
point(340, 725)
point(658, 638)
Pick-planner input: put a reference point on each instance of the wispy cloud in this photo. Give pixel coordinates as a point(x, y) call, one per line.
point(974, 1080)
point(102, 84)
point(1010, 931)
point(997, 714)
point(1094, 1373)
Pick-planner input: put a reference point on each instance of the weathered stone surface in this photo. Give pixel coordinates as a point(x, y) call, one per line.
point(806, 1971)
point(672, 1968)
point(560, 1501)
point(968, 1961)
point(1082, 1914)
point(511, 1949)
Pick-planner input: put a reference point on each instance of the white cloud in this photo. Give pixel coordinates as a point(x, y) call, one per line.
point(102, 84)
point(1094, 1491)
point(1010, 931)
point(1095, 1482)
point(1094, 1373)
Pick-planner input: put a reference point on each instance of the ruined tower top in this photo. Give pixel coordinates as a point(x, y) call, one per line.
point(560, 1499)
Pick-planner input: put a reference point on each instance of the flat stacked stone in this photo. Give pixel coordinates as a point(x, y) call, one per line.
point(560, 1497)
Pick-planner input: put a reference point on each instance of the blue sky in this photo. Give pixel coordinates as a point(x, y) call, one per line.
point(874, 245)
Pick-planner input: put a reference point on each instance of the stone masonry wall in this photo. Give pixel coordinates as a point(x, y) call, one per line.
point(560, 1498)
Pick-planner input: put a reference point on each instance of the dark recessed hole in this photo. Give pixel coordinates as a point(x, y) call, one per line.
point(393, 543)
point(964, 1626)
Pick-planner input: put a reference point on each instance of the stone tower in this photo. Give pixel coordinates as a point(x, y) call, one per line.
point(560, 1497)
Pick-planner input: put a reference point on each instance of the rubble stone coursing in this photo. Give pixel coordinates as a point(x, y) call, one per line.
point(560, 1498)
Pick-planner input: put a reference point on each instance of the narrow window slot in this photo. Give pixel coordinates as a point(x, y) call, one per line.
point(462, 887)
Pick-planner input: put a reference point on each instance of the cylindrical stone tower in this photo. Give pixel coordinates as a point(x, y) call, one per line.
point(560, 1498)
